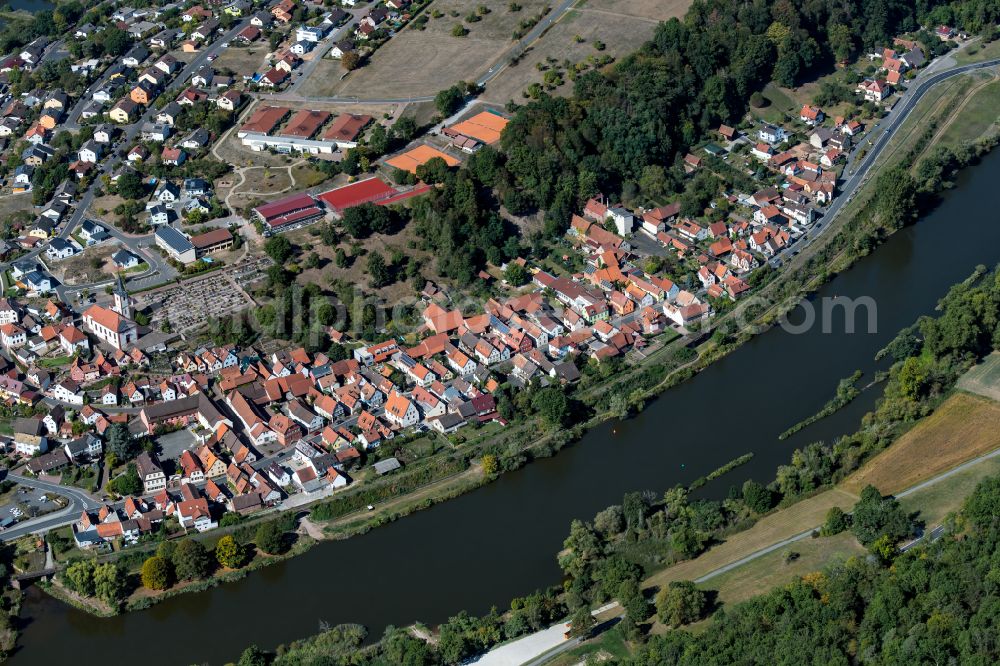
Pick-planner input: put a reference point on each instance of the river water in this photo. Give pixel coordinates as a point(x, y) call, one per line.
point(500, 541)
point(30, 5)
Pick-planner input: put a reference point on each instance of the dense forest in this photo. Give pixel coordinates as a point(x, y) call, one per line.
point(605, 557)
point(939, 604)
point(621, 126)
point(625, 129)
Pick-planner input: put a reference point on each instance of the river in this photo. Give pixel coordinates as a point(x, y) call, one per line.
point(500, 541)
point(30, 5)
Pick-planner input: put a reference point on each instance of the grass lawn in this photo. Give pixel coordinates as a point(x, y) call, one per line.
point(604, 647)
point(775, 569)
point(141, 268)
point(937, 501)
point(422, 447)
point(781, 107)
point(976, 117)
point(978, 53)
point(806, 93)
point(907, 135)
point(775, 527)
point(307, 176)
point(55, 362)
point(962, 428)
point(81, 477)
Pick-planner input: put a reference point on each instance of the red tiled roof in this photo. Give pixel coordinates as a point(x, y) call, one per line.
point(346, 127)
point(264, 119)
point(372, 189)
point(288, 210)
point(305, 123)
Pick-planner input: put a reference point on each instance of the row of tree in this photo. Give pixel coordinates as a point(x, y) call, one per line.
point(935, 604)
point(693, 75)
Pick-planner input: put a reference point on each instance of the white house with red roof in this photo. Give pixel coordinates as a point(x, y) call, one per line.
point(400, 410)
point(110, 327)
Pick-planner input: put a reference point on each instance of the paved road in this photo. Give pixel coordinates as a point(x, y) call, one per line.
point(160, 270)
point(78, 502)
point(798, 537)
point(537, 648)
point(848, 188)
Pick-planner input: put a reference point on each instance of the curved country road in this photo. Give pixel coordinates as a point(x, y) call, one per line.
point(78, 502)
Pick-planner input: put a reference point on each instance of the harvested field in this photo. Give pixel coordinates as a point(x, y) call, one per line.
point(654, 10)
point(962, 428)
point(984, 379)
point(621, 25)
point(432, 58)
point(620, 35)
point(16, 203)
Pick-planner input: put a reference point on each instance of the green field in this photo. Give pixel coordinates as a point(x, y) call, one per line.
point(978, 53)
point(932, 504)
point(782, 566)
point(984, 379)
point(976, 118)
point(781, 106)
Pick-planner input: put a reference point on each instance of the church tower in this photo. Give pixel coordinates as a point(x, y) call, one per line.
point(123, 303)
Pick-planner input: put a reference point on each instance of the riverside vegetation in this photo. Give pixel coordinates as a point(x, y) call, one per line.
point(608, 557)
point(562, 151)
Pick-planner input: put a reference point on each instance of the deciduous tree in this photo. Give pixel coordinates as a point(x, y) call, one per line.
point(230, 553)
point(680, 602)
point(191, 561)
point(157, 573)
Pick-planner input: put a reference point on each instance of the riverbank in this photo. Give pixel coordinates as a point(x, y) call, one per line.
point(952, 438)
point(522, 517)
point(640, 383)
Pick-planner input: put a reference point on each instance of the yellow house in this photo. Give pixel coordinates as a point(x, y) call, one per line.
point(124, 111)
point(118, 115)
point(189, 46)
point(39, 232)
point(47, 121)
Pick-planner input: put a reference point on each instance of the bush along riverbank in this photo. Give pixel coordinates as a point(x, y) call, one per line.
point(176, 567)
point(847, 391)
point(609, 556)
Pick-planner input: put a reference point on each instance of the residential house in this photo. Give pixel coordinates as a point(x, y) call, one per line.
point(150, 472)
